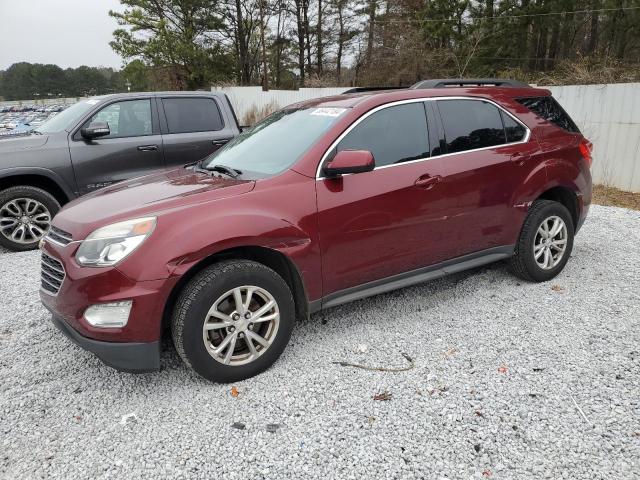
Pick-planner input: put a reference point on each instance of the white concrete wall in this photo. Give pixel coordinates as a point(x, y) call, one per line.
point(608, 115)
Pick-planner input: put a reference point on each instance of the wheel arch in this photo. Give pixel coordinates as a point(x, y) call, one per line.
point(269, 257)
point(565, 196)
point(39, 178)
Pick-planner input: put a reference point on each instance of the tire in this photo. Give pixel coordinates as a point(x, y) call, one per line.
point(524, 263)
point(199, 298)
point(14, 200)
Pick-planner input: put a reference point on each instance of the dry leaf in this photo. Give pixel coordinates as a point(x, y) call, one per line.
point(450, 352)
point(384, 396)
point(502, 369)
point(234, 392)
point(557, 288)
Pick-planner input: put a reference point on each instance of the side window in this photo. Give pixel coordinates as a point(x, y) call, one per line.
point(393, 135)
point(514, 131)
point(131, 118)
point(471, 124)
point(187, 115)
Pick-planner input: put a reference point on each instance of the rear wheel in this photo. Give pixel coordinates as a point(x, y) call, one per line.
point(25, 216)
point(233, 320)
point(545, 242)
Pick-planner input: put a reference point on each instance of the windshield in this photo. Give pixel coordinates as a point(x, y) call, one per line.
point(66, 118)
point(277, 142)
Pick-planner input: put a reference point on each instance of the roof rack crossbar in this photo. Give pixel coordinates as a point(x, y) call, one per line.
point(468, 82)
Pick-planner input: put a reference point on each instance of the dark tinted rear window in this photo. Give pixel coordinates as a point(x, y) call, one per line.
point(471, 124)
point(186, 115)
point(549, 109)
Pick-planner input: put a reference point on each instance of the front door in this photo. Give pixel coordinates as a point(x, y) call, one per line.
point(133, 148)
point(377, 224)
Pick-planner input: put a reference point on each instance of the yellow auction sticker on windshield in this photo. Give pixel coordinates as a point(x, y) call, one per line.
point(328, 111)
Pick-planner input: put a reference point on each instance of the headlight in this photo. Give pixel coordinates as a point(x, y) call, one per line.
point(108, 245)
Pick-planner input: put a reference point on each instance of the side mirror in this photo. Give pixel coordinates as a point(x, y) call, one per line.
point(95, 130)
point(350, 161)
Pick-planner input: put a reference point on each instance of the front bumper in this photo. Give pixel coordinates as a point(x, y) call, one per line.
point(126, 357)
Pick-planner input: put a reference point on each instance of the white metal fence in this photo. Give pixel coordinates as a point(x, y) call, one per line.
point(608, 115)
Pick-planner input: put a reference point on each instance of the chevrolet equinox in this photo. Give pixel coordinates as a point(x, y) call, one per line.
point(323, 202)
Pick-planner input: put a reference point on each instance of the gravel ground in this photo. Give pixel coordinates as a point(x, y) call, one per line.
point(511, 380)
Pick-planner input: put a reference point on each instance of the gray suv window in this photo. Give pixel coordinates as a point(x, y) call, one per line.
point(131, 118)
point(185, 115)
point(393, 135)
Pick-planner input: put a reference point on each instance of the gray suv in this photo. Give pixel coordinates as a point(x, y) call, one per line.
point(100, 141)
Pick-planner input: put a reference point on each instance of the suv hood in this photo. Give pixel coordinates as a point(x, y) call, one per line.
point(16, 143)
point(148, 195)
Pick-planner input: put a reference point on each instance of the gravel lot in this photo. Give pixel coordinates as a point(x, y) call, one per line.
point(511, 380)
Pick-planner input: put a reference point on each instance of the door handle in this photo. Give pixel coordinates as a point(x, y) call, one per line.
point(519, 158)
point(218, 143)
point(148, 148)
point(427, 181)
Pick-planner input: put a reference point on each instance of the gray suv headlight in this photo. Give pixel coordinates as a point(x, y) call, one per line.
point(108, 245)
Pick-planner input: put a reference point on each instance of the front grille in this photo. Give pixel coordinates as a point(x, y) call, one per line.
point(51, 274)
point(59, 236)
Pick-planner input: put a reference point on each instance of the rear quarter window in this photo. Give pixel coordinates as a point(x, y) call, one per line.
point(549, 109)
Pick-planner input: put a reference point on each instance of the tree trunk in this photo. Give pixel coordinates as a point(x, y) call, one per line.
point(307, 33)
point(593, 30)
point(278, 47)
point(243, 59)
point(372, 19)
point(265, 72)
point(340, 41)
point(300, 34)
point(319, 39)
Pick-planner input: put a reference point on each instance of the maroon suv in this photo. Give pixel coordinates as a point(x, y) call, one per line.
point(323, 202)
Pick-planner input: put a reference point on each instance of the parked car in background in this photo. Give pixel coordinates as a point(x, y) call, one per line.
point(321, 203)
point(98, 142)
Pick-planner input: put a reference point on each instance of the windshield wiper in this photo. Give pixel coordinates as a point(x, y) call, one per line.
point(231, 172)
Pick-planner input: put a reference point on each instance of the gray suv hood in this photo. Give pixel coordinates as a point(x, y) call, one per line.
point(26, 142)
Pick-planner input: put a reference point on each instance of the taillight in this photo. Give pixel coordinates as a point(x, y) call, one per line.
point(586, 147)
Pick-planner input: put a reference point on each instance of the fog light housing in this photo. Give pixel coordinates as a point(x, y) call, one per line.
point(108, 315)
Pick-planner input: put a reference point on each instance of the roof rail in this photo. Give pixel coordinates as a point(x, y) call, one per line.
point(472, 82)
point(371, 89)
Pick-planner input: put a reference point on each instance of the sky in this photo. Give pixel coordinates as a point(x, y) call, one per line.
point(68, 33)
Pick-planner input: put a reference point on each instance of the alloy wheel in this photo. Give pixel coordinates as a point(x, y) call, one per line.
point(24, 220)
point(241, 325)
point(550, 242)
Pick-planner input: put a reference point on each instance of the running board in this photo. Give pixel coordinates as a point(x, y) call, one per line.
point(413, 277)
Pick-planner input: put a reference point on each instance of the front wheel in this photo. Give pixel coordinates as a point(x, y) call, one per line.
point(545, 242)
point(25, 216)
point(233, 320)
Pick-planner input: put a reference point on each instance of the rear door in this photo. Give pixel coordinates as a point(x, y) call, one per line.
point(133, 148)
point(192, 128)
point(488, 157)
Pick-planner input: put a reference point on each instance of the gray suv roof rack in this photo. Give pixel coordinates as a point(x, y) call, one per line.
point(469, 82)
